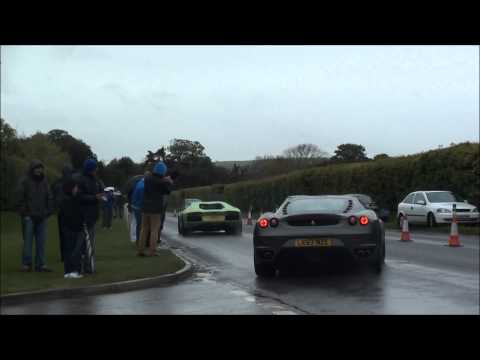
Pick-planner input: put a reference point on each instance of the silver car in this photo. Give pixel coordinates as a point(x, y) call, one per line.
point(435, 207)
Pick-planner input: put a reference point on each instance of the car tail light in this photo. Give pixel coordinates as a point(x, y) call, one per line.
point(274, 222)
point(263, 223)
point(363, 220)
point(352, 220)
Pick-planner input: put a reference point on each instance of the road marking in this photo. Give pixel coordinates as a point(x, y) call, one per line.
point(284, 312)
point(429, 242)
point(454, 278)
point(239, 292)
point(250, 299)
point(203, 274)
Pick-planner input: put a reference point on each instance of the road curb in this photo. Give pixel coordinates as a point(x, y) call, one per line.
point(111, 288)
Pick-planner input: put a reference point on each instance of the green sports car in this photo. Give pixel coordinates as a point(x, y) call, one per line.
point(209, 216)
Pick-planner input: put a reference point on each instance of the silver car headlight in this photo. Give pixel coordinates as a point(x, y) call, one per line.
point(475, 210)
point(444, 211)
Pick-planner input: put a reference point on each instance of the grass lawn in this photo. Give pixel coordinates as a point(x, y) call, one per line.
point(441, 228)
point(116, 259)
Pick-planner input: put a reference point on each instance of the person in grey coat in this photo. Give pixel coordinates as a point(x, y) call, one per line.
point(34, 205)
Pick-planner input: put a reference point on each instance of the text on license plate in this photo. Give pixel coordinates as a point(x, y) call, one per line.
point(213, 218)
point(313, 242)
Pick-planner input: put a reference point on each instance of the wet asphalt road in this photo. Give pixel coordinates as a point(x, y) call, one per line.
point(420, 277)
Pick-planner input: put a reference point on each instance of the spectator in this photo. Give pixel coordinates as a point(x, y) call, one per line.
point(58, 196)
point(35, 205)
point(137, 205)
point(129, 189)
point(118, 204)
point(174, 175)
point(72, 228)
point(90, 194)
point(108, 208)
point(155, 187)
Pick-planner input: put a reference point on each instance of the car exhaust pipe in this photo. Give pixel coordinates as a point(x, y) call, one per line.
point(268, 254)
point(363, 252)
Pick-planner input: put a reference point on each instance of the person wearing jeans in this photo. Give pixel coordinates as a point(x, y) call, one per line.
point(34, 228)
point(34, 205)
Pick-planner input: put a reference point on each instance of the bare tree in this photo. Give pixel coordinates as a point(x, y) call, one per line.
point(304, 152)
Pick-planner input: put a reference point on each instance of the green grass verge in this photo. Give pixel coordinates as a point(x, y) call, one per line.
point(116, 259)
point(441, 228)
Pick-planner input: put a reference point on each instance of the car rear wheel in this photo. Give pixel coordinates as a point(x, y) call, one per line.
point(431, 222)
point(264, 270)
point(380, 261)
point(180, 229)
point(236, 230)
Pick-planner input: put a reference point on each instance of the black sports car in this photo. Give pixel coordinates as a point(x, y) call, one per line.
point(315, 229)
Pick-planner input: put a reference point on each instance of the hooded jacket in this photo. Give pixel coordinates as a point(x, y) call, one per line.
point(71, 208)
point(88, 187)
point(34, 197)
point(57, 187)
point(156, 187)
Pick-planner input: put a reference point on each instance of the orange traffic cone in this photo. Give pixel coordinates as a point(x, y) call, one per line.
point(249, 218)
point(454, 240)
point(405, 234)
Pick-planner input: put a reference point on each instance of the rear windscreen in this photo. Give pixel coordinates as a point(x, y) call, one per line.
point(326, 205)
point(215, 206)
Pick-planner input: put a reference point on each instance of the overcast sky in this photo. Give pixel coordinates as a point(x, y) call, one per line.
point(244, 101)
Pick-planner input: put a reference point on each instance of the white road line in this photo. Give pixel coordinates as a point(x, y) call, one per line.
point(430, 242)
point(284, 312)
point(239, 292)
point(469, 281)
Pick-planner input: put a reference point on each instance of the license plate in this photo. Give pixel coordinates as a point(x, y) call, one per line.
point(213, 218)
point(313, 242)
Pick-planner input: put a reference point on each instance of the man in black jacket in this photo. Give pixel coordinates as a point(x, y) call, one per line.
point(72, 228)
point(34, 205)
point(156, 187)
point(90, 192)
point(58, 196)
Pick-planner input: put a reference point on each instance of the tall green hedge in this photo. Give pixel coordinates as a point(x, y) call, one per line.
point(388, 181)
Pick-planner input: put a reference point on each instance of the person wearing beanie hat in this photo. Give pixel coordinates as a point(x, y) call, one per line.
point(156, 186)
point(90, 193)
point(72, 229)
point(160, 168)
point(89, 166)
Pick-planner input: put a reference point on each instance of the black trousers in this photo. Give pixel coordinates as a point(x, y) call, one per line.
point(72, 250)
point(61, 236)
point(107, 216)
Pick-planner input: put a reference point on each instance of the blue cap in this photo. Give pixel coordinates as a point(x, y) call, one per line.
point(89, 165)
point(160, 168)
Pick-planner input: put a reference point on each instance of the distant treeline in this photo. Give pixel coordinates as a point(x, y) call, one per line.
point(387, 179)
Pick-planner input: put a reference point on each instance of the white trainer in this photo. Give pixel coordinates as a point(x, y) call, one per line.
point(67, 276)
point(76, 275)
